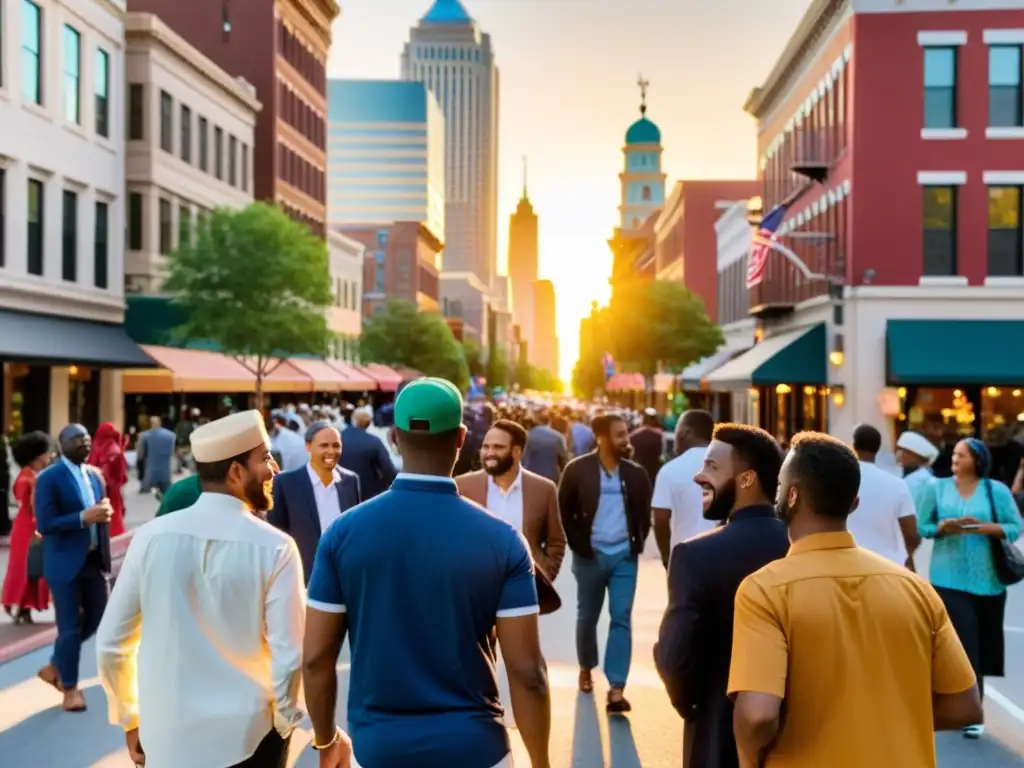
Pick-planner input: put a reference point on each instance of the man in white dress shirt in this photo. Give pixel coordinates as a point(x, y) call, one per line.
point(885, 520)
point(678, 502)
point(213, 681)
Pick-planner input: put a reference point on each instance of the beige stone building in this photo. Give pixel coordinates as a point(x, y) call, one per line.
point(190, 129)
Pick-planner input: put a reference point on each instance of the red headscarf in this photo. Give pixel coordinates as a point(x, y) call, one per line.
point(107, 442)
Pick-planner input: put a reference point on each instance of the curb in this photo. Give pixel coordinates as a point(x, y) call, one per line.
point(45, 637)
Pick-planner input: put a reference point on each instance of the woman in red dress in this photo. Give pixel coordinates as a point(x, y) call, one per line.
point(108, 456)
point(32, 452)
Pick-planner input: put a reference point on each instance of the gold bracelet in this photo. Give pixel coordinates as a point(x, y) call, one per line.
point(328, 745)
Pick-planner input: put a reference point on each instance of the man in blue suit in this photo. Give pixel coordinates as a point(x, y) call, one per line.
point(364, 453)
point(311, 497)
point(72, 514)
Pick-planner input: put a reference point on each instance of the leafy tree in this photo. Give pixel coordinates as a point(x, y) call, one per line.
point(255, 284)
point(474, 357)
point(497, 369)
point(402, 335)
point(660, 322)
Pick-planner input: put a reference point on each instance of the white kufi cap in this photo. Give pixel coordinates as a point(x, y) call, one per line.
point(918, 444)
point(229, 437)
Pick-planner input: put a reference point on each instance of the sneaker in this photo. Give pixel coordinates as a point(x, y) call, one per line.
point(973, 731)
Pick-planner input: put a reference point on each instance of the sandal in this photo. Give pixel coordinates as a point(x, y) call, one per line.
point(586, 681)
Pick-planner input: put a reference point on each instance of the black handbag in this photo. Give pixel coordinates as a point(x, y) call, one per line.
point(34, 566)
point(1007, 559)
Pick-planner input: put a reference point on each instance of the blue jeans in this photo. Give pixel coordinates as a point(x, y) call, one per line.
point(617, 575)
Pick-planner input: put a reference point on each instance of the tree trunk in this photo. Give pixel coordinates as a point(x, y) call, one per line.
point(258, 394)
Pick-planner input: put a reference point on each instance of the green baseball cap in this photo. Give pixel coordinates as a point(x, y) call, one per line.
point(429, 406)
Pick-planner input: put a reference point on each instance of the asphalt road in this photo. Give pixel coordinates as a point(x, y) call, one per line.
point(35, 733)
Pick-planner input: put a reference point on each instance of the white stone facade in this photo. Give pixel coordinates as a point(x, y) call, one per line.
point(346, 315)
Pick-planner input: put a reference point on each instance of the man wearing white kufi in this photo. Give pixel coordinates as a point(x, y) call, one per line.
point(213, 680)
point(916, 454)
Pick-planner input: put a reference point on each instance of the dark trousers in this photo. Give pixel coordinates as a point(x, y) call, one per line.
point(79, 606)
point(978, 621)
point(271, 753)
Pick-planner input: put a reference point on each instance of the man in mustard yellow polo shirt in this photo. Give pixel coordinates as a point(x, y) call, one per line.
point(857, 651)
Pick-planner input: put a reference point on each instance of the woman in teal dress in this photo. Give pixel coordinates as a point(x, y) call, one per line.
point(962, 513)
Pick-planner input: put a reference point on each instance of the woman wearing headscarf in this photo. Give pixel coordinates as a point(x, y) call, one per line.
point(21, 595)
point(962, 513)
point(107, 455)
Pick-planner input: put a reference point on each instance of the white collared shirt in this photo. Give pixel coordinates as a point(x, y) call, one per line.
point(675, 491)
point(508, 505)
point(200, 646)
point(328, 505)
point(875, 524)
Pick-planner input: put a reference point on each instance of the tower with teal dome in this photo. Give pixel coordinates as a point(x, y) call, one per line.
point(643, 183)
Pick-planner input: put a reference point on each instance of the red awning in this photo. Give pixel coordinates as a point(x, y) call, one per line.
point(189, 370)
point(326, 378)
point(407, 374)
point(286, 378)
point(387, 380)
point(355, 379)
point(626, 382)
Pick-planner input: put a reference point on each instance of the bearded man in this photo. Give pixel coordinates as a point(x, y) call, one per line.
point(739, 479)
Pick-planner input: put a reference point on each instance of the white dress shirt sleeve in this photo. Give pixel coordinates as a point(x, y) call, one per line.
point(662, 498)
point(285, 614)
point(117, 642)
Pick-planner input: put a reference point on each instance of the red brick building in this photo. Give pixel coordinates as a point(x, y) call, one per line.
point(685, 248)
point(280, 46)
point(401, 263)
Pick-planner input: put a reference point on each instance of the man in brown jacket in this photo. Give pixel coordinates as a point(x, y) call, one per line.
point(525, 500)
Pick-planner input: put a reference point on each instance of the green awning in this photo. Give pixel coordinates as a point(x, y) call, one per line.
point(793, 357)
point(955, 352)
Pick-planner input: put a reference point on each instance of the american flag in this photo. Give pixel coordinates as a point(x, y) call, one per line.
point(761, 247)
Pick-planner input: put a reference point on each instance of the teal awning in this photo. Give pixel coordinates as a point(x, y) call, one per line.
point(955, 352)
point(693, 374)
point(793, 357)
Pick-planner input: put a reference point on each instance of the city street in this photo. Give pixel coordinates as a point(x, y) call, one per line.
point(583, 736)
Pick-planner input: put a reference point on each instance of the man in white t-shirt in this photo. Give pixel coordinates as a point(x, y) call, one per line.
point(678, 502)
point(885, 520)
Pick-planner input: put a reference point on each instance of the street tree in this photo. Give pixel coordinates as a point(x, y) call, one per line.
point(402, 335)
point(255, 284)
point(660, 322)
point(473, 353)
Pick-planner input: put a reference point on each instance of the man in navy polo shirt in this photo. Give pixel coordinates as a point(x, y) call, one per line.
point(421, 578)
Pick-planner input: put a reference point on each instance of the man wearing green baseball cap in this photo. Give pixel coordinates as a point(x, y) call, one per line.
point(424, 576)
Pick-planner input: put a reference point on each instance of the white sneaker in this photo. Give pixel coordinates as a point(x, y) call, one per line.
point(973, 731)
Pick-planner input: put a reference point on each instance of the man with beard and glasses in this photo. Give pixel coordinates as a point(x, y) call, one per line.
point(841, 657)
point(604, 499)
point(524, 500)
point(217, 671)
point(738, 478)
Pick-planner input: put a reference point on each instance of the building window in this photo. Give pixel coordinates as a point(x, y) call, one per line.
point(31, 52)
point(940, 87)
point(102, 85)
point(218, 153)
point(379, 276)
point(939, 231)
point(166, 241)
point(3, 216)
point(35, 227)
point(72, 75)
point(204, 150)
point(245, 167)
point(186, 134)
point(69, 237)
point(232, 161)
point(1005, 100)
point(645, 194)
point(100, 255)
point(136, 208)
point(166, 122)
point(1005, 237)
point(184, 225)
point(136, 111)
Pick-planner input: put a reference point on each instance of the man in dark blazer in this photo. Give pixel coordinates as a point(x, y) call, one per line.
point(73, 515)
point(366, 455)
point(739, 479)
point(309, 498)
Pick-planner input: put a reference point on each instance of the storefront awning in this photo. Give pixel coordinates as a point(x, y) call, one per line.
point(326, 378)
point(693, 375)
point(355, 379)
point(955, 352)
point(794, 357)
point(386, 379)
point(286, 378)
point(407, 374)
point(189, 370)
point(50, 340)
point(626, 382)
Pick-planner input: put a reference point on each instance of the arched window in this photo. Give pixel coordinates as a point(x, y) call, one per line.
point(645, 193)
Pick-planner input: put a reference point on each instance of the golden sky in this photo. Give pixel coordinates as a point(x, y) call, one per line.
point(568, 92)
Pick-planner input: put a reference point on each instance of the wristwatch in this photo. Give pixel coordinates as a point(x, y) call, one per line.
point(329, 744)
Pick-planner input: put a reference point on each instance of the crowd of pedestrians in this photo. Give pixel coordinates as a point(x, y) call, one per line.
point(797, 632)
